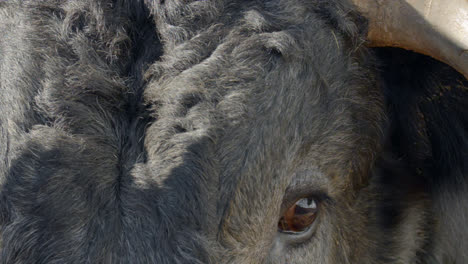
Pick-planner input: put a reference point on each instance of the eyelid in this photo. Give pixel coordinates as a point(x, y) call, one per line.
point(310, 182)
point(293, 195)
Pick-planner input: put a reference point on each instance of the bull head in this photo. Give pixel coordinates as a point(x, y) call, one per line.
point(233, 132)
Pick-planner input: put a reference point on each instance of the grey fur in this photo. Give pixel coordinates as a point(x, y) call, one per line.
point(173, 132)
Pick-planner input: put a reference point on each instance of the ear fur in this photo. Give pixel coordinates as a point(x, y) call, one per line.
point(427, 103)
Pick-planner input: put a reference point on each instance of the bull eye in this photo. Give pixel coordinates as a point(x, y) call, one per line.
point(299, 217)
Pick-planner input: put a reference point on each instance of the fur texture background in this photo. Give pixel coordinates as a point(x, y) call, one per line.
point(176, 131)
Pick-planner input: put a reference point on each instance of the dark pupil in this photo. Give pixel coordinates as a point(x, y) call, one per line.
point(301, 211)
point(298, 218)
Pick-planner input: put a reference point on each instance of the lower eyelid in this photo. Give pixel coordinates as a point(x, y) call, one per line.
point(292, 239)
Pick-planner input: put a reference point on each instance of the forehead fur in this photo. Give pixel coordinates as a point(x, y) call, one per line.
point(257, 74)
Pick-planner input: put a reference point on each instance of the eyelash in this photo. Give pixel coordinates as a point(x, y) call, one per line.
point(320, 196)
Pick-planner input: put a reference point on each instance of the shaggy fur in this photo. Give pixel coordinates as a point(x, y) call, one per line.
point(178, 131)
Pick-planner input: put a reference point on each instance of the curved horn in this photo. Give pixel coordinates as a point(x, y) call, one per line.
point(438, 28)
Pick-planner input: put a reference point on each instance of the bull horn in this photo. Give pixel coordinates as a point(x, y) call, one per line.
point(437, 28)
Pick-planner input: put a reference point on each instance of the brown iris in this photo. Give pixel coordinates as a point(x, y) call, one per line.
point(299, 216)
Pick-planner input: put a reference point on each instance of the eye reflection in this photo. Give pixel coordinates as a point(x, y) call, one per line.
point(299, 217)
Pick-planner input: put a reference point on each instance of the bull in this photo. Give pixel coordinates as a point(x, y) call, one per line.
point(233, 132)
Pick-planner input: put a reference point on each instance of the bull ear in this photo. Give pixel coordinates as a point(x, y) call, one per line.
point(427, 105)
point(437, 28)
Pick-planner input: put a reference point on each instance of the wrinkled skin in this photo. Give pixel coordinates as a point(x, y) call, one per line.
point(180, 131)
